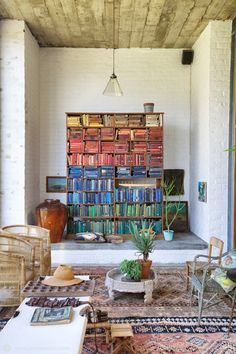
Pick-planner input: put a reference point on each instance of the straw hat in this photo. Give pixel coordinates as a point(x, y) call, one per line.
point(62, 276)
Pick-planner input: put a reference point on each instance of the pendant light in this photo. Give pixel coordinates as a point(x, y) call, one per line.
point(113, 87)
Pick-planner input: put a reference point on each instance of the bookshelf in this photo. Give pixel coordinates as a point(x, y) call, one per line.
point(114, 171)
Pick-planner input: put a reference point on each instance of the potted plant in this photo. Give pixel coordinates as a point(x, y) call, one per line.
point(131, 269)
point(167, 187)
point(143, 240)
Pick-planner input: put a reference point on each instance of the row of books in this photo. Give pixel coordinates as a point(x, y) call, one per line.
point(119, 120)
point(107, 133)
point(142, 195)
point(92, 120)
point(90, 198)
point(123, 227)
point(75, 145)
point(103, 226)
point(77, 184)
point(90, 210)
point(97, 147)
point(73, 121)
point(75, 134)
point(98, 210)
point(89, 120)
point(135, 159)
point(154, 120)
point(119, 171)
point(98, 198)
point(125, 209)
point(109, 227)
point(98, 133)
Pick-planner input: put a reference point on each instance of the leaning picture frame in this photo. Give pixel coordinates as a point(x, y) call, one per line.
point(181, 223)
point(55, 184)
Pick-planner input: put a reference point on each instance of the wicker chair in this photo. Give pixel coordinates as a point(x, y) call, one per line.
point(16, 267)
point(38, 237)
point(12, 278)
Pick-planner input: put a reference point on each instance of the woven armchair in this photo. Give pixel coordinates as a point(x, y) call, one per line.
point(16, 267)
point(12, 278)
point(40, 239)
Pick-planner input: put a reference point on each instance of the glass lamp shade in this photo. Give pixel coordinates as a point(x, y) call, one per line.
point(113, 87)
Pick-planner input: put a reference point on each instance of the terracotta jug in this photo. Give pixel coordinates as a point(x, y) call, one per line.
point(52, 215)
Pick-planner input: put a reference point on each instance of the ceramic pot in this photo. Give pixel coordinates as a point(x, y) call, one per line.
point(168, 235)
point(148, 107)
point(146, 266)
point(52, 215)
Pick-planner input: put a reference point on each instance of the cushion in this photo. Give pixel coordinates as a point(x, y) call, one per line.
point(89, 237)
point(220, 276)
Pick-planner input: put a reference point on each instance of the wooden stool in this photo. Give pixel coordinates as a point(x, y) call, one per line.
point(122, 335)
point(105, 325)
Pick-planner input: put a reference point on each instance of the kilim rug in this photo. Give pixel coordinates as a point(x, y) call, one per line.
point(175, 335)
point(168, 325)
point(169, 299)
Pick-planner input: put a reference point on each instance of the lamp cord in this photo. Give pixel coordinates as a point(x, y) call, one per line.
point(113, 37)
point(95, 333)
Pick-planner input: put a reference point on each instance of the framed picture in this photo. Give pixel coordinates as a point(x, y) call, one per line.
point(178, 176)
point(55, 184)
point(202, 191)
point(180, 224)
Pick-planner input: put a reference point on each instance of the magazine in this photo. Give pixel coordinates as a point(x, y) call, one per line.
point(49, 316)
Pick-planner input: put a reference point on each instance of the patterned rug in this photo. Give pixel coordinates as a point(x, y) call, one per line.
point(169, 299)
point(166, 326)
point(176, 335)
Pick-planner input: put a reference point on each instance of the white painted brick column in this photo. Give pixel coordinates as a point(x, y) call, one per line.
point(210, 84)
point(19, 100)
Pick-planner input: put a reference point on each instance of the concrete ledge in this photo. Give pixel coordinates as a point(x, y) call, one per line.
point(184, 247)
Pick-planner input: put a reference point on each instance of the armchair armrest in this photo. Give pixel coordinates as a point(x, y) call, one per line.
point(208, 261)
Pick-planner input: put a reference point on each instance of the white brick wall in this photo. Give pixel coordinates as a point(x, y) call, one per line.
point(74, 79)
point(210, 83)
point(19, 123)
point(12, 122)
point(32, 126)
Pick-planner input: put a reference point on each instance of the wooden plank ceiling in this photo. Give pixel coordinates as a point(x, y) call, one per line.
point(138, 23)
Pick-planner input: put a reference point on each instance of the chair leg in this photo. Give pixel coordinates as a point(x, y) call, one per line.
point(200, 306)
point(191, 295)
point(232, 312)
point(187, 276)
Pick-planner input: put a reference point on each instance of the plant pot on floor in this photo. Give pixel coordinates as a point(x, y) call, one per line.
point(168, 235)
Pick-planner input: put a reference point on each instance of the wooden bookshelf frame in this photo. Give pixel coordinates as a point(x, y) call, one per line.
point(134, 151)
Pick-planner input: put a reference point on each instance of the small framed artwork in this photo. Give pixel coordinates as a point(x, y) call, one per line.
point(180, 224)
point(202, 191)
point(178, 176)
point(55, 184)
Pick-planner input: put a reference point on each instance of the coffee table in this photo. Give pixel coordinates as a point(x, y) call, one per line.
point(19, 337)
point(114, 284)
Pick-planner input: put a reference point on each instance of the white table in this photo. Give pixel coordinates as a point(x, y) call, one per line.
point(19, 337)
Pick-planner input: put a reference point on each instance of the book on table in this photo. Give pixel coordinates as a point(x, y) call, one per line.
point(50, 316)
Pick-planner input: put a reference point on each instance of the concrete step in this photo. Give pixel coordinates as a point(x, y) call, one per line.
point(184, 247)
